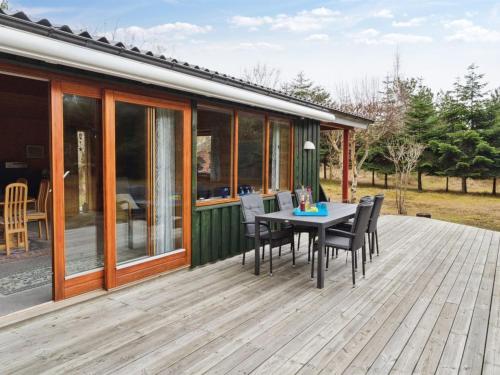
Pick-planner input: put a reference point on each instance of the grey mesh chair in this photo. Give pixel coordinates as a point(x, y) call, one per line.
point(372, 232)
point(352, 240)
point(253, 205)
point(285, 202)
point(310, 231)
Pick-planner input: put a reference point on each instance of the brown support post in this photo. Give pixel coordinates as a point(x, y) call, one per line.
point(108, 109)
point(57, 173)
point(345, 166)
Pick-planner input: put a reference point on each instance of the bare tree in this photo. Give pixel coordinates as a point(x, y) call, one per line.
point(404, 153)
point(4, 5)
point(264, 75)
point(362, 98)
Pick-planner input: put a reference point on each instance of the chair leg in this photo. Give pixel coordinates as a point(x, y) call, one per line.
point(312, 266)
point(243, 262)
point(298, 243)
point(292, 245)
point(279, 251)
point(263, 250)
point(353, 269)
point(26, 241)
point(270, 259)
point(327, 256)
point(39, 228)
point(376, 236)
point(363, 258)
point(47, 228)
point(7, 243)
point(309, 255)
point(355, 255)
point(370, 245)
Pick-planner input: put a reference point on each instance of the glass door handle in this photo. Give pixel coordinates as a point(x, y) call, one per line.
point(66, 174)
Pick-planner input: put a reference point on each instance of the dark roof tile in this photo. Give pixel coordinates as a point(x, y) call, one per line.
point(172, 63)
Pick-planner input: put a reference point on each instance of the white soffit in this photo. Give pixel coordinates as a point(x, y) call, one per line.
point(23, 43)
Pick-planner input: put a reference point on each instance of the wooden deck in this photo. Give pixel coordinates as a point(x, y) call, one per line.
point(430, 302)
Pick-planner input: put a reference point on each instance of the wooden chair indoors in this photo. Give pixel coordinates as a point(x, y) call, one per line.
point(14, 220)
point(41, 208)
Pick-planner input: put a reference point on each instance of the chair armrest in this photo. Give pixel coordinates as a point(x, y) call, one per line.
point(253, 222)
point(341, 233)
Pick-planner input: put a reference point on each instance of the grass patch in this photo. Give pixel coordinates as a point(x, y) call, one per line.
point(478, 208)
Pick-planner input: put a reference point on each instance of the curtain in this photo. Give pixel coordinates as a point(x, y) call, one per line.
point(164, 181)
point(275, 158)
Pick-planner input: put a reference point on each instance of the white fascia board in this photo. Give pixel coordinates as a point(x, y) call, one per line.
point(341, 120)
point(23, 43)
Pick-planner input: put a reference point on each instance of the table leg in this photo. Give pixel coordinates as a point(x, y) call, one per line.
point(257, 246)
point(321, 249)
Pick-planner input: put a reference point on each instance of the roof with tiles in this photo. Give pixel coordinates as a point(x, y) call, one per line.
point(44, 27)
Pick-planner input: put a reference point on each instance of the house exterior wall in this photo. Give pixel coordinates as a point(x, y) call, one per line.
point(217, 232)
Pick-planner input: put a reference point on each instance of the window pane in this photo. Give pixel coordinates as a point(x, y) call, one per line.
point(279, 156)
point(148, 181)
point(250, 153)
point(213, 154)
point(83, 204)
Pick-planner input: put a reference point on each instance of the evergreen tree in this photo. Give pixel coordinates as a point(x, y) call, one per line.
point(304, 88)
point(4, 5)
point(471, 95)
point(420, 123)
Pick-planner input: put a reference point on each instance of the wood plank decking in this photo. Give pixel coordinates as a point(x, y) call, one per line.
point(430, 303)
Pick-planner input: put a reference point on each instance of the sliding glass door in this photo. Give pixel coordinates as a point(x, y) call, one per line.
point(149, 181)
point(83, 190)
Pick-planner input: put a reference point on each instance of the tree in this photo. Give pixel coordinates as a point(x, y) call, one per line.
point(404, 152)
point(263, 75)
point(471, 95)
point(4, 5)
point(420, 123)
point(304, 88)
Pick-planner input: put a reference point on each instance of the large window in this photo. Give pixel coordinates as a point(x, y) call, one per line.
point(83, 201)
point(279, 156)
point(251, 144)
point(214, 154)
point(148, 181)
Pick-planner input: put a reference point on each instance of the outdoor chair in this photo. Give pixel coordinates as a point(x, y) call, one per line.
point(285, 202)
point(372, 232)
point(253, 205)
point(41, 208)
point(352, 240)
point(311, 231)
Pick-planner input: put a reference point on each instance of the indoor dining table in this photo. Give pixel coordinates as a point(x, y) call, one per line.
point(337, 213)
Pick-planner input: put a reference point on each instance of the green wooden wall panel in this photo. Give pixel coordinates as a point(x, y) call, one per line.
point(217, 230)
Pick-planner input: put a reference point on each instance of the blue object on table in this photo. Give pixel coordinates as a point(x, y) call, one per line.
point(322, 211)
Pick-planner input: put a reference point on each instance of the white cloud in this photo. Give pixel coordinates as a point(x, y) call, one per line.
point(258, 46)
point(318, 37)
point(383, 13)
point(374, 37)
point(306, 20)
point(158, 35)
point(242, 21)
point(417, 21)
point(466, 31)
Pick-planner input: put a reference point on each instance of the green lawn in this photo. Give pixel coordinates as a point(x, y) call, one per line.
point(478, 208)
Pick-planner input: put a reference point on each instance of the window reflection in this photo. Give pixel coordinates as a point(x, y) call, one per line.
point(279, 155)
point(148, 181)
point(250, 153)
point(213, 154)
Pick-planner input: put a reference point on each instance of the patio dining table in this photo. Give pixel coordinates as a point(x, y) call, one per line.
point(337, 213)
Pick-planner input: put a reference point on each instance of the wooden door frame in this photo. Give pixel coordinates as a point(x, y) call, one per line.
point(116, 276)
point(65, 287)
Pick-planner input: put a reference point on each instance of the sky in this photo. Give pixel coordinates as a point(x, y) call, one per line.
point(332, 42)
